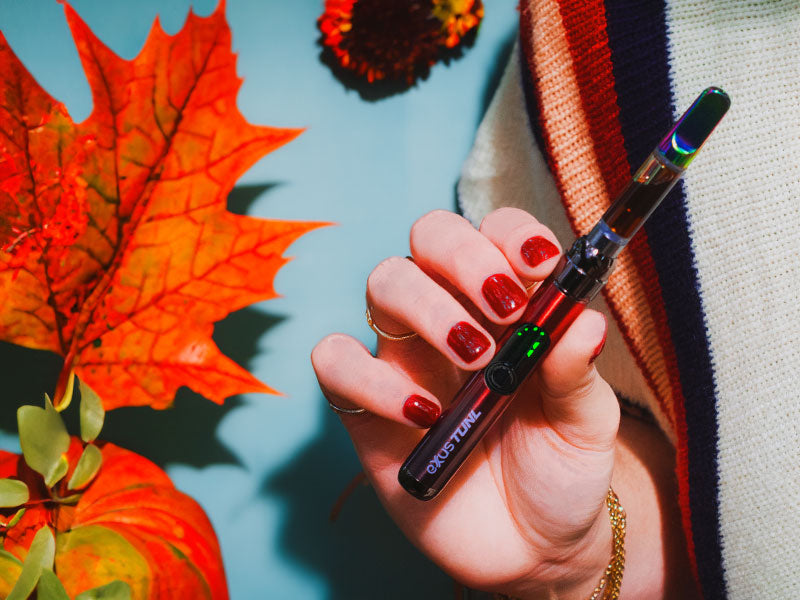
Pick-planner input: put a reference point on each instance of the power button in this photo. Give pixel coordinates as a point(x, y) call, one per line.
point(500, 377)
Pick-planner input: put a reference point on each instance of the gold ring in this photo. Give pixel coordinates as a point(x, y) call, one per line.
point(385, 334)
point(346, 411)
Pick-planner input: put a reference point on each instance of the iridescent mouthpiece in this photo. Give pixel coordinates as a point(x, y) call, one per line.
point(663, 168)
point(684, 140)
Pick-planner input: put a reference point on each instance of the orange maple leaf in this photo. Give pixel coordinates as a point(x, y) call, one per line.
point(120, 253)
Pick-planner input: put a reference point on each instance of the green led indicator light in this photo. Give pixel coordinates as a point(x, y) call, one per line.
point(526, 328)
point(534, 347)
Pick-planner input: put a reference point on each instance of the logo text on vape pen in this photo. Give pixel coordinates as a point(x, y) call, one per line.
point(450, 445)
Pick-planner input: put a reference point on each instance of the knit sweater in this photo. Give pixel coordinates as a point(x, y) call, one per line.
point(703, 304)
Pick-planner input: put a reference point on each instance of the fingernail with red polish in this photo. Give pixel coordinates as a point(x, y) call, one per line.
point(420, 410)
point(467, 341)
point(601, 345)
point(503, 295)
point(537, 249)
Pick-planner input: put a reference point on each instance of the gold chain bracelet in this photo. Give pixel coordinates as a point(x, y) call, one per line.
point(610, 582)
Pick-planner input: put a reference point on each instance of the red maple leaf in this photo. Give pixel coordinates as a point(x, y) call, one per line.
point(120, 253)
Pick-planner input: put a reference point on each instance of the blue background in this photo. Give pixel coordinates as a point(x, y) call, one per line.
point(268, 469)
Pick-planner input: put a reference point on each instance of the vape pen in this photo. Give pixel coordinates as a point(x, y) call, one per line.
point(580, 275)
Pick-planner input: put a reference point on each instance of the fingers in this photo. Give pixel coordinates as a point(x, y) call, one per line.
point(485, 266)
point(402, 297)
point(530, 247)
point(446, 244)
point(576, 401)
point(348, 373)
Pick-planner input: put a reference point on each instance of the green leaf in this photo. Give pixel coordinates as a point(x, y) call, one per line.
point(43, 438)
point(61, 469)
point(6, 555)
point(13, 492)
point(87, 467)
point(10, 568)
point(40, 556)
point(92, 413)
point(116, 590)
point(50, 587)
point(71, 499)
point(16, 518)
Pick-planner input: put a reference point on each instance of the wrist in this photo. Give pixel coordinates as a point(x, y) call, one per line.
point(657, 564)
point(576, 572)
point(603, 565)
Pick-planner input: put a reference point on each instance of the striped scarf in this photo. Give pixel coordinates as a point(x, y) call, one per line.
point(705, 299)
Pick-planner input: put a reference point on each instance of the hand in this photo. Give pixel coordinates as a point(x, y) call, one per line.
point(525, 514)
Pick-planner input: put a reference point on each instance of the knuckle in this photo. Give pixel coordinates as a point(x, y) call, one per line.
point(506, 213)
point(326, 352)
point(432, 223)
point(384, 272)
point(442, 309)
point(560, 385)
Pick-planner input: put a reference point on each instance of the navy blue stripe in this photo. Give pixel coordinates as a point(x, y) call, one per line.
point(638, 40)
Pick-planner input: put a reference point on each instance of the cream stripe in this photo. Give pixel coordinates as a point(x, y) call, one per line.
point(744, 207)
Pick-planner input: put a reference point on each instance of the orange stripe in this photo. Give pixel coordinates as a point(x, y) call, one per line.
point(582, 182)
point(585, 27)
point(559, 69)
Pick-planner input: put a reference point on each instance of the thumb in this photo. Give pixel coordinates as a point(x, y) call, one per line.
point(577, 403)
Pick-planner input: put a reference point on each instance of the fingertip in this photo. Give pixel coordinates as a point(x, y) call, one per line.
point(472, 346)
point(421, 411)
point(588, 331)
point(602, 343)
point(505, 297)
point(569, 364)
point(539, 253)
point(530, 247)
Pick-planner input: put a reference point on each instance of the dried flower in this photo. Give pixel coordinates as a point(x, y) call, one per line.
point(394, 39)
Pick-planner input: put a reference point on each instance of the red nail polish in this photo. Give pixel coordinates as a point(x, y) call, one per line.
point(538, 249)
point(600, 346)
point(503, 295)
point(467, 341)
point(420, 410)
